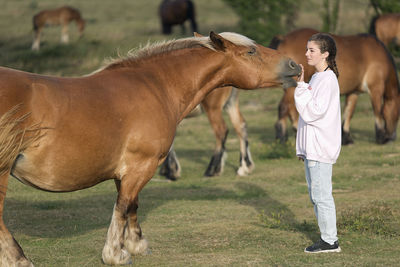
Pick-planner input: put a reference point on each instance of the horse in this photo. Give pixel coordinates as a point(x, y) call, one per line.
point(59, 16)
point(225, 98)
point(176, 12)
point(386, 28)
point(365, 66)
point(63, 134)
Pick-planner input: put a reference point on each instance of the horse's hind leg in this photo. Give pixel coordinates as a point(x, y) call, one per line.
point(246, 164)
point(11, 253)
point(351, 101)
point(171, 168)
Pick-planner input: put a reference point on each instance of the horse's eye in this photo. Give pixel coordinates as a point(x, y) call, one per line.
point(252, 51)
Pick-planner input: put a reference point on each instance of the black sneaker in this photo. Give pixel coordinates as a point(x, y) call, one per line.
point(321, 246)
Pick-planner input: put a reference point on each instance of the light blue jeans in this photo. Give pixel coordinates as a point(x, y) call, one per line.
point(319, 180)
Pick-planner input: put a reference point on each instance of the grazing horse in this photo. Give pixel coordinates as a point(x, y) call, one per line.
point(386, 28)
point(365, 66)
point(66, 134)
point(176, 12)
point(60, 16)
point(213, 104)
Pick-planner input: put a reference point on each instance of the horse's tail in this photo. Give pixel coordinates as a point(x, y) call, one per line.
point(275, 41)
point(372, 29)
point(14, 138)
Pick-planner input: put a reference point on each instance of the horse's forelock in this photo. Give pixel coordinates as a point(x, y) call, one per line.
point(237, 39)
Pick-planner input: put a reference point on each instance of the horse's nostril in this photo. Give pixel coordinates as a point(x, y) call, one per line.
point(292, 64)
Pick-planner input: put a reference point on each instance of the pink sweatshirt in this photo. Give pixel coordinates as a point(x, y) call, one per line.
point(319, 134)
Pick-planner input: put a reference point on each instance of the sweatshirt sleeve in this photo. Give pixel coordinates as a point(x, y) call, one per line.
point(313, 105)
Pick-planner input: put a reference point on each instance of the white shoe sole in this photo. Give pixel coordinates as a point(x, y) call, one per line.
point(323, 251)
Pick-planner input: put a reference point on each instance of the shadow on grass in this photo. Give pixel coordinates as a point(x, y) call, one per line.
point(65, 218)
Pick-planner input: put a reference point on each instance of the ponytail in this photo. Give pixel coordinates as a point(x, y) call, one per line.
point(332, 65)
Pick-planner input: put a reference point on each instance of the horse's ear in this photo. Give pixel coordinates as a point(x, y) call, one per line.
point(219, 42)
point(196, 34)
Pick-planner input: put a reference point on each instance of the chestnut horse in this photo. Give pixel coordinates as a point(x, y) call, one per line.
point(213, 104)
point(176, 12)
point(365, 65)
point(67, 134)
point(60, 16)
point(386, 28)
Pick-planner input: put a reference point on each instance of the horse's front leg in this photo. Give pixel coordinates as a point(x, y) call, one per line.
point(36, 39)
point(286, 109)
point(114, 252)
point(213, 108)
point(171, 168)
point(64, 33)
point(124, 236)
point(133, 239)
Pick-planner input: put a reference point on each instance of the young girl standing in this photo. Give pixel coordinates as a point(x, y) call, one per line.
point(318, 140)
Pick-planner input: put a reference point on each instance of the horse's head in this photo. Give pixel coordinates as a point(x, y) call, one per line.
point(252, 65)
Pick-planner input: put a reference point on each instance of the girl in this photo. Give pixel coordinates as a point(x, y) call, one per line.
point(318, 140)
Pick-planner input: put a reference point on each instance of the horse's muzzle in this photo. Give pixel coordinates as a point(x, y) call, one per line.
point(288, 70)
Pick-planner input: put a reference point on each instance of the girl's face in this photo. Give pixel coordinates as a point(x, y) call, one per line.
point(314, 56)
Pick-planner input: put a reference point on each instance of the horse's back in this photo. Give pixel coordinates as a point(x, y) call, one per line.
point(57, 16)
point(357, 56)
point(387, 27)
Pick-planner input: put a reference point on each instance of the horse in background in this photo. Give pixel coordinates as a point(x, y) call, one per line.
point(386, 28)
point(176, 12)
point(225, 98)
point(67, 134)
point(365, 66)
point(60, 16)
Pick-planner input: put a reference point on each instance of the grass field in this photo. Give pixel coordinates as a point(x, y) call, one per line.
point(264, 219)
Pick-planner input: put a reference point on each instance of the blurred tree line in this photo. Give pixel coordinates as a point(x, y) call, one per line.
point(385, 6)
point(261, 20)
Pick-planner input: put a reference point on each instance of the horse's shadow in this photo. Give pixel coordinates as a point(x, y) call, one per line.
point(65, 218)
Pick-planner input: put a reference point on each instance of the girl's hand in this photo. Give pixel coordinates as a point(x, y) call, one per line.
point(300, 78)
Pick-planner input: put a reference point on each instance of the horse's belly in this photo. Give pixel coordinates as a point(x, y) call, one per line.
point(62, 176)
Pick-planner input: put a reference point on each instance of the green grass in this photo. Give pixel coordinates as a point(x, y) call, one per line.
point(264, 219)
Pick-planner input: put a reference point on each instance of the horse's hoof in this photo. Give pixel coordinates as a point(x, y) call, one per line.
point(140, 247)
point(123, 259)
point(243, 171)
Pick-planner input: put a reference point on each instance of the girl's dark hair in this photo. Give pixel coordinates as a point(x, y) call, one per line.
point(327, 44)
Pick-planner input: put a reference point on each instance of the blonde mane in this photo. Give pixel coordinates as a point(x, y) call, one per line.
point(151, 49)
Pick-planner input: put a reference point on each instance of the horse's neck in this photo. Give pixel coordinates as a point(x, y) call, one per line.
point(191, 77)
point(203, 72)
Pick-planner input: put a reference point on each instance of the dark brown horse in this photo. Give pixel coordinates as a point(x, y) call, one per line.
point(225, 98)
point(60, 16)
point(386, 28)
point(66, 134)
point(365, 66)
point(176, 12)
